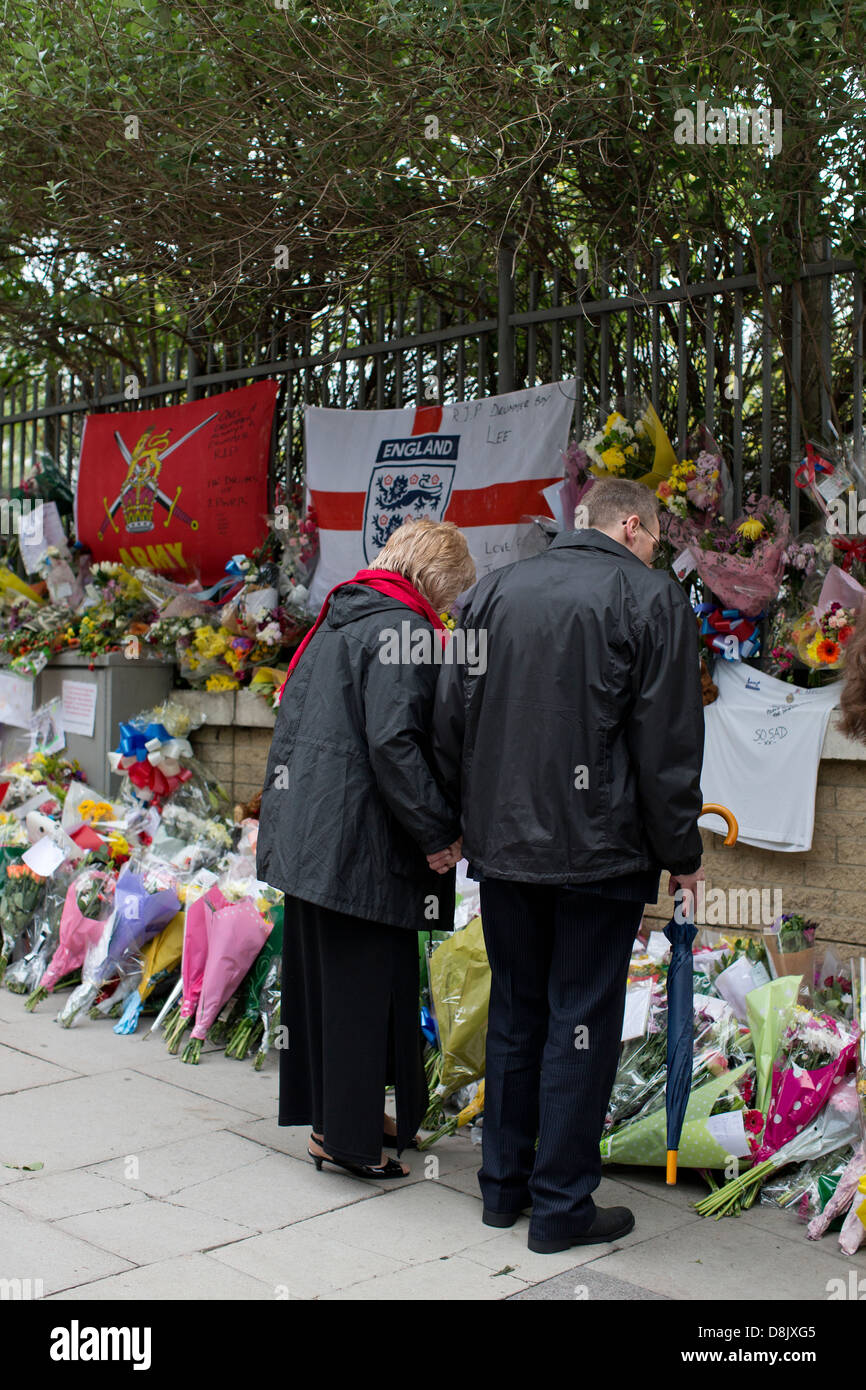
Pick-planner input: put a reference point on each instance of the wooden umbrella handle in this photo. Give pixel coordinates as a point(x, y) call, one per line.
point(715, 809)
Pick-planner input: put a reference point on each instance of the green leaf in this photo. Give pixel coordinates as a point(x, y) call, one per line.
point(25, 1167)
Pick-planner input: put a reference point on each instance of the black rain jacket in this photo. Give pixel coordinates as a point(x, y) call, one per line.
point(351, 806)
point(577, 754)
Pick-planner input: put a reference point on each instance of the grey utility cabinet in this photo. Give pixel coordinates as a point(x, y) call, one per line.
point(124, 687)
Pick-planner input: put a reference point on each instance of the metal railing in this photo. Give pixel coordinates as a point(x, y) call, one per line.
point(763, 363)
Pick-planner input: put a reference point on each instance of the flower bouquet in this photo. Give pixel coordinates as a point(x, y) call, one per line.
point(235, 935)
point(24, 975)
point(832, 990)
point(717, 1125)
point(790, 945)
point(160, 959)
point(640, 451)
point(299, 533)
point(819, 637)
point(270, 1001)
point(467, 1115)
point(742, 564)
point(637, 1107)
point(246, 1032)
point(808, 1188)
point(193, 958)
point(834, 1126)
point(189, 840)
point(117, 607)
point(88, 904)
point(814, 1054)
point(144, 903)
point(19, 900)
point(267, 681)
point(695, 492)
point(460, 993)
point(631, 444)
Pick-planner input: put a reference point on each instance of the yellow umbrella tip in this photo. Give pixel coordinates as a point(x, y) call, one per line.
point(671, 1175)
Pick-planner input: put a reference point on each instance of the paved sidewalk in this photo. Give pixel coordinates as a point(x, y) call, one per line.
point(168, 1181)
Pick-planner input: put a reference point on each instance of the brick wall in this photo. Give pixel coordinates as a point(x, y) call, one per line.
point(237, 757)
point(827, 883)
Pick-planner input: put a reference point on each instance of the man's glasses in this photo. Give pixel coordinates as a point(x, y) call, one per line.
point(656, 543)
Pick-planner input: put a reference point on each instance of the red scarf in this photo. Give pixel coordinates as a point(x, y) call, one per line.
point(384, 582)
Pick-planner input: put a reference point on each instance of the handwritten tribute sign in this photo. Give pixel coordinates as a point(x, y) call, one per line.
point(181, 489)
point(481, 464)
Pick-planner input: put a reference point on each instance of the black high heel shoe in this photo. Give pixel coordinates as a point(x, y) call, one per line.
point(391, 1169)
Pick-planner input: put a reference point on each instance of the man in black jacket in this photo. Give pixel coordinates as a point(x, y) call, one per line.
point(576, 758)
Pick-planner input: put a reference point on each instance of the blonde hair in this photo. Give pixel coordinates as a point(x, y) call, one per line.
point(432, 555)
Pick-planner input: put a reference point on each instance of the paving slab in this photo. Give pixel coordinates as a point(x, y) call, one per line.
point(583, 1284)
point(688, 1188)
point(220, 1077)
point(305, 1262)
point(450, 1277)
point(652, 1217)
point(413, 1224)
point(87, 1047)
point(19, 1071)
point(274, 1192)
point(451, 1154)
point(87, 1119)
point(728, 1258)
point(786, 1225)
point(185, 1276)
point(34, 1249)
point(166, 1168)
point(52, 1196)
point(152, 1230)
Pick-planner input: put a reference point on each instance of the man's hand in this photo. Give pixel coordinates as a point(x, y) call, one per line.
point(445, 859)
point(689, 884)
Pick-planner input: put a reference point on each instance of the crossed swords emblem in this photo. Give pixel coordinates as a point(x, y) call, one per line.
point(170, 504)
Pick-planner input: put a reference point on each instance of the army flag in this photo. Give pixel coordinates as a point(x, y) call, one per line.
point(178, 489)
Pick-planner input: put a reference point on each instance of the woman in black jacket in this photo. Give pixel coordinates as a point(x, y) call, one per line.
point(356, 831)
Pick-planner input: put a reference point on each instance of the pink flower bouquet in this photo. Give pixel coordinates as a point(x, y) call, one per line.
point(815, 1053)
point(743, 564)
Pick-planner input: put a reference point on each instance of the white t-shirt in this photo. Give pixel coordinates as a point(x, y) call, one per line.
point(762, 747)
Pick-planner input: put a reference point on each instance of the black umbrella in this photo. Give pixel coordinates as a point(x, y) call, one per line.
point(681, 1006)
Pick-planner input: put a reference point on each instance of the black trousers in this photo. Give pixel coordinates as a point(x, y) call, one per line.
point(559, 964)
point(350, 1005)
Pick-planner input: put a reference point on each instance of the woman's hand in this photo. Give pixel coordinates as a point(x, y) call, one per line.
point(445, 859)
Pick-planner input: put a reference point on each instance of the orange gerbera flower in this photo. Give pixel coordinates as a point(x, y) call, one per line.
point(828, 651)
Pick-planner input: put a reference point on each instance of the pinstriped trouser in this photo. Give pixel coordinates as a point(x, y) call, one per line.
point(559, 964)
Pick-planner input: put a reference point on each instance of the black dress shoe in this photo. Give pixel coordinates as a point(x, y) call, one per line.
point(499, 1218)
point(609, 1223)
